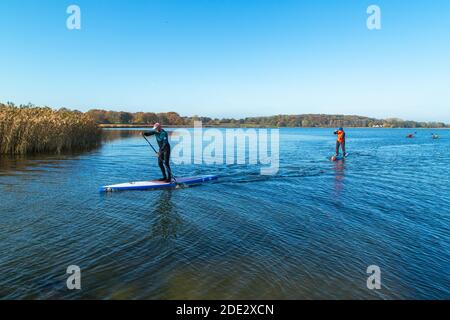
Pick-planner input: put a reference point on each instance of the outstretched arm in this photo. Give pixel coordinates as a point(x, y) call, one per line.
point(149, 133)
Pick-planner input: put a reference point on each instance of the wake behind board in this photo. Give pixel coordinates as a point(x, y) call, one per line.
point(147, 185)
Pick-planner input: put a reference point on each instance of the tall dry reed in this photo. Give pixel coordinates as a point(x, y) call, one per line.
point(31, 130)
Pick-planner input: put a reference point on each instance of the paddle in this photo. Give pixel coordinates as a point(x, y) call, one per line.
point(150, 144)
point(159, 156)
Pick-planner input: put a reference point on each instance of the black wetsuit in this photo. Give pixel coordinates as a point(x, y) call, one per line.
point(164, 152)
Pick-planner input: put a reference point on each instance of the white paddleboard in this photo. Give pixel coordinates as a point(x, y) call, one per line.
point(146, 185)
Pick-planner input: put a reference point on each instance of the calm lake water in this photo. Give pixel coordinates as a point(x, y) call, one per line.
point(309, 232)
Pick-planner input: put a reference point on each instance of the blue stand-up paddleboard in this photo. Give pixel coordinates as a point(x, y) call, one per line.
point(147, 185)
point(339, 158)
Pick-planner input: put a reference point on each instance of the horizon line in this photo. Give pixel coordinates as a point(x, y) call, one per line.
point(29, 104)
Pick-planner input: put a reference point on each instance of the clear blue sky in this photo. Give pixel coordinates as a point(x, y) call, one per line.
point(225, 58)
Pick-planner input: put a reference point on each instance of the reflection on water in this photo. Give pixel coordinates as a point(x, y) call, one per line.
point(167, 221)
point(24, 163)
point(339, 169)
point(309, 232)
point(11, 164)
point(109, 135)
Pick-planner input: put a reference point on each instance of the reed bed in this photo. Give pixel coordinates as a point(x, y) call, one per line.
point(32, 130)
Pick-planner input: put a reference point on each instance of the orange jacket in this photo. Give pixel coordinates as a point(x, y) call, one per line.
point(341, 135)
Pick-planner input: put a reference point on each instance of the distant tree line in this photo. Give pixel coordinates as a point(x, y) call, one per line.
point(306, 120)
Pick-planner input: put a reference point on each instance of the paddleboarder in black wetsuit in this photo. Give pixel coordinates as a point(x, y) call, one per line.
point(164, 151)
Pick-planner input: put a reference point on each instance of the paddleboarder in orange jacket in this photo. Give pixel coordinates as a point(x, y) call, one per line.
point(340, 143)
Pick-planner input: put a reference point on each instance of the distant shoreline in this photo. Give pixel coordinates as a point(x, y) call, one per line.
point(123, 120)
point(148, 126)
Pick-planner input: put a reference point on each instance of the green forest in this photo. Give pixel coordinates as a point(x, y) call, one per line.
point(106, 118)
point(306, 120)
